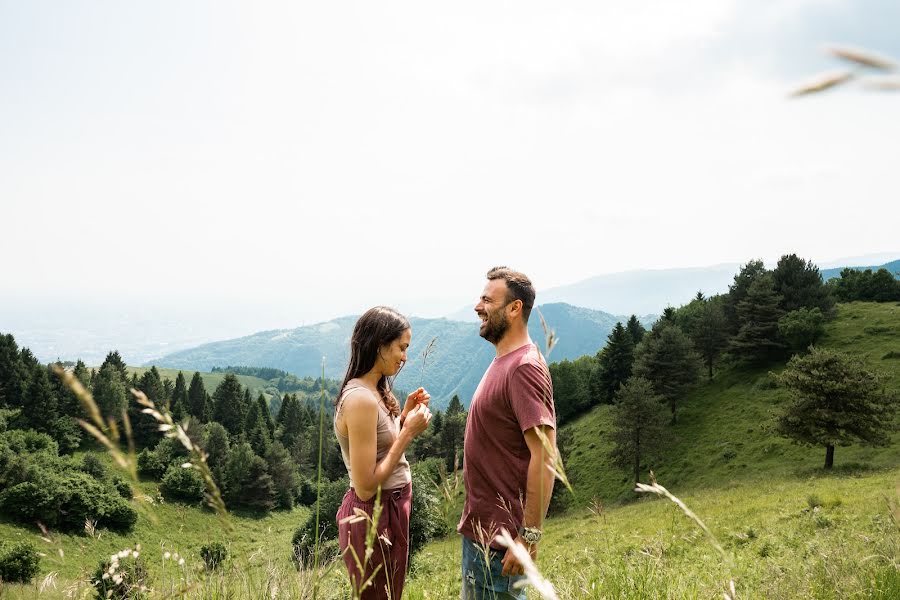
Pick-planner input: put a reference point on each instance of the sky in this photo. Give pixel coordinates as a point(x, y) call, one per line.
point(248, 166)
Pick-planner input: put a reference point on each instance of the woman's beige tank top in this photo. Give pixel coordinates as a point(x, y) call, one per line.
point(388, 428)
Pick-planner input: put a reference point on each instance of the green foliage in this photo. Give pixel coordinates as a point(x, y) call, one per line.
point(228, 405)
point(285, 478)
point(571, 384)
point(426, 522)
point(109, 391)
point(124, 577)
point(615, 364)
point(149, 465)
point(93, 466)
point(144, 427)
point(304, 538)
point(247, 482)
point(199, 404)
point(666, 358)
point(639, 426)
point(180, 401)
point(738, 290)
point(703, 320)
point(635, 329)
point(866, 286)
point(214, 555)
point(757, 340)
point(182, 485)
point(836, 400)
point(801, 328)
point(19, 562)
point(800, 285)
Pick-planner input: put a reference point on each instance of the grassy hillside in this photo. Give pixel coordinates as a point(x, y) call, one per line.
point(210, 380)
point(791, 529)
point(725, 428)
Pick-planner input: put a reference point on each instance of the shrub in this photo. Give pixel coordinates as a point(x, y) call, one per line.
point(426, 522)
point(801, 328)
point(148, 464)
point(304, 538)
point(123, 487)
point(306, 494)
point(214, 555)
point(892, 354)
point(120, 577)
point(19, 562)
point(181, 484)
point(93, 466)
point(28, 502)
point(29, 441)
point(814, 501)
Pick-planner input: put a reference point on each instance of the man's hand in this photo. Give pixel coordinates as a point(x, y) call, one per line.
point(511, 566)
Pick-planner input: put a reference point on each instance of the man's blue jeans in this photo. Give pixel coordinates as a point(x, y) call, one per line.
point(483, 581)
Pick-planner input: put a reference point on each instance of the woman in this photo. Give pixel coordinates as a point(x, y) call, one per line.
point(373, 434)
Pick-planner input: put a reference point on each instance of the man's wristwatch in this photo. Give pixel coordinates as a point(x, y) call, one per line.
point(531, 535)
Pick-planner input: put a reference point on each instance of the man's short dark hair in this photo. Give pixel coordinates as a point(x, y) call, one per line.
point(518, 287)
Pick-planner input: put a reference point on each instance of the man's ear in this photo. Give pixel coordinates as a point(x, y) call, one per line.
point(515, 308)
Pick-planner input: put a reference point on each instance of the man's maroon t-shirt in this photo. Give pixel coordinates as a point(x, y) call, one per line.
point(514, 395)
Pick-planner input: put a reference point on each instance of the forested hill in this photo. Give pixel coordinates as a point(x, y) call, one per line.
point(454, 366)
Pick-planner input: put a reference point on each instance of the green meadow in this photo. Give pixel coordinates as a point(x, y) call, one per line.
point(789, 528)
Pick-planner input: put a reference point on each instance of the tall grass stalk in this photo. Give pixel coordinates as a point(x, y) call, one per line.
point(532, 574)
point(319, 480)
point(655, 488)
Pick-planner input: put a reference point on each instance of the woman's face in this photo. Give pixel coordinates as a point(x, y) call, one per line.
point(393, 355)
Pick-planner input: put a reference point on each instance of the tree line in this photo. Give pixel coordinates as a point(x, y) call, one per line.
point(766, 316)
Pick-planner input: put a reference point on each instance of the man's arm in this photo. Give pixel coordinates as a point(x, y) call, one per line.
point(538, 489)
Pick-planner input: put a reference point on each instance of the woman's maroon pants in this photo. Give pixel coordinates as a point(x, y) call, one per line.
point(391, 547)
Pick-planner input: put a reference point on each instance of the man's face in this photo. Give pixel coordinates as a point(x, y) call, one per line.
point(491, 308)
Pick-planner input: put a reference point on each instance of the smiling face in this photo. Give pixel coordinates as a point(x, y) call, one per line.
point(392, 356)
point(491, 309)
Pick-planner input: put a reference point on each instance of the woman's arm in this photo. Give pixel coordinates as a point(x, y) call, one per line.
point(360, 410)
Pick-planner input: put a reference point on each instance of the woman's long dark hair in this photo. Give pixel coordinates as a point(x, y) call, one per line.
point(378, 327)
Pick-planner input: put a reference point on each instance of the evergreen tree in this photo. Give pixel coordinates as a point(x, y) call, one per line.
point(228, 405)
point(737, 291)
point(216, 445)
point(13, 374)
point(144, 427)
point(247, 481)
point(635, 330)
point(198, 404)
point(570, 393)
point(284, 475)
point(835, 401)
point(453, 431)
point(639, 431)
point(180, 400)
point(115, 359)
point(257, 433)
point(801, 328)
point(266, 414)
point(40, 409)
point(800, 285)
point(666, 357)
point(757, 339)
point(615, 364)
point(290, 422)
point(109, 392)
point(703, 320)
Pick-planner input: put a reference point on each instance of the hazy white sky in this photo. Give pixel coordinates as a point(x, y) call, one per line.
point(302, 161)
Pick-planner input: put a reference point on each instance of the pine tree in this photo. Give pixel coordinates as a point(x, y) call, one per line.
point(615, 364)
point(285, 477)
point(257, 433)
point(757, 339)
point(639, 431)
point(13, 373)
point(115, 359)
point(144, 427)
point(109, 392)
point(666, 357)
point(266, 414)
point(836, 400)
point(198, 404)
point(800, 285)
point(40, 408)
point(635, 330)
point(228, 405)
point(453, 431)
point(703, 320)
point(180, 400)
point(737, 291)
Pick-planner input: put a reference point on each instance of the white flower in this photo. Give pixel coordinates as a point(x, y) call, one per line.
point(180, 562)
point(167, 556)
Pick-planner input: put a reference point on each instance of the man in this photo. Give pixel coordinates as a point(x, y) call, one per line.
point(505, 461)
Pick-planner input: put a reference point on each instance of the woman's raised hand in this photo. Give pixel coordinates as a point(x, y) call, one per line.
point(420, 396)
point(417, 420)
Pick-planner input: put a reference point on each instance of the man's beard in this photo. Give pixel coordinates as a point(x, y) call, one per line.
point(495, 327)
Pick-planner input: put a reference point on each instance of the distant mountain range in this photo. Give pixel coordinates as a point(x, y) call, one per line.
point(455, 365)
point(651, 291)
